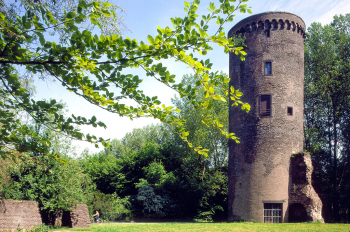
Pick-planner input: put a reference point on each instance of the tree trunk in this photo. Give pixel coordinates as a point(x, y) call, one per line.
point(335, 166)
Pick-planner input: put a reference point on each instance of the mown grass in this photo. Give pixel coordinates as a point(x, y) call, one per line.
point(212, 227)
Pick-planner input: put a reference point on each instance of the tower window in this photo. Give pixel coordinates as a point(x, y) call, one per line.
point(290, 111)
point(265, 105)
point(268, 68)
point(267, 33)
point(272, 212)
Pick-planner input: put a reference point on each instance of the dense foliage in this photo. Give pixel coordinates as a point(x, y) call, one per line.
point(15, 94)
point(95, 67)
point(327, 121)
point(161, 175)
point(49, 182)
point(152, 172)
point(164, 180)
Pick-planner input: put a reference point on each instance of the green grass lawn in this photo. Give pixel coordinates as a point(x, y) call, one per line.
point(214, 227)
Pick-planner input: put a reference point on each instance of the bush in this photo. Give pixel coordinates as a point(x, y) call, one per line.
point(110, 206)
point(150, 205)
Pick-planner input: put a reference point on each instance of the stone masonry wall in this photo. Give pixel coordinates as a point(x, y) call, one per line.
point(22, 214)
point(301, 190)
point(80, 216)
point(259, 164)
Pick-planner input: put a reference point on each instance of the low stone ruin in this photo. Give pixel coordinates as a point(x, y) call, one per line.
point(19, 214)
point(304, 203)
point(78, 217)
point(26, 215)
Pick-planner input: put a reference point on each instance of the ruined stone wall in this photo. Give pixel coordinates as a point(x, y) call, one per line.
point(259, 165)
point(301, 191)
point(22, 214)
point(79, 216)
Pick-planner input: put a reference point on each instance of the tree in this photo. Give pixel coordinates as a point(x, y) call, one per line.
point(137, 139)
point(14, 129)
point(172, 172)
point(201, 134)
point(91, 66)
point(45, 174)
point(110, 206)
point(109, 25)
point(327, 100)
point(49, 182)
point(152, 199)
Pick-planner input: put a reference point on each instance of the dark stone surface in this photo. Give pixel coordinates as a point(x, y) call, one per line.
point(22, 214)
point(259, 165)
point(297, 213)
point(301, 192)
point(79, 216)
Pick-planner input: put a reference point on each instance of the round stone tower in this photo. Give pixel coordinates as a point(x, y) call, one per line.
point(272, 81)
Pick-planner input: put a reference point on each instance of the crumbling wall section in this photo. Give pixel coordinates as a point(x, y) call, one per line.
point(19, 214)
point(79, 216)
point(301, 190)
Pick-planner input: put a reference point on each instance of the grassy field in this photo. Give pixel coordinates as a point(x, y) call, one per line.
point(213, 227)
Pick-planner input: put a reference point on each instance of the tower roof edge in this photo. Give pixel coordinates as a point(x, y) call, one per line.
point(268, 15)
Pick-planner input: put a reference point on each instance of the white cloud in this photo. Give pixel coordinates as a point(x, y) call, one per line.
point(338, 7)
point(309, 10)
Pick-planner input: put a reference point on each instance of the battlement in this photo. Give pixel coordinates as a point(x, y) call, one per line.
point(269, 21)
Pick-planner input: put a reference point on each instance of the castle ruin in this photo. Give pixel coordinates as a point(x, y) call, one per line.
point(261, 166)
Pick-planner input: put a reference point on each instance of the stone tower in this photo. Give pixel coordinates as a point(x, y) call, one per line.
point(272, 81)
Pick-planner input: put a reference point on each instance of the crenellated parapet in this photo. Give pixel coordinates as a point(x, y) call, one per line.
point(267, 22)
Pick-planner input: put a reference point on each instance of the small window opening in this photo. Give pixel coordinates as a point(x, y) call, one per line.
point(272, 212)
point(268, 68)
point(268, 33)
point(265, 105)
point(290, 111)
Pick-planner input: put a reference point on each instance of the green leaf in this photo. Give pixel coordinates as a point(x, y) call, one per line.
point(150, 39)
point(211, 89)
point(94, 21)
point(93, 119)
point(106, 13)
point(212, 6)
point(41, 38)
point(70, 15)
point(82, 4)
point(205, 77)
point(107, 4)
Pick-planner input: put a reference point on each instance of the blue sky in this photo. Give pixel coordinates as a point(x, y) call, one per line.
point(142, 18)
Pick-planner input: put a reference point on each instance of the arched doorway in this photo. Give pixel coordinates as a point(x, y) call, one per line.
point(297, 213)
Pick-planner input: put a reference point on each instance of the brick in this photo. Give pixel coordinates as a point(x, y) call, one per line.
point(22, 214)
point(259, 166)
point(80, 216)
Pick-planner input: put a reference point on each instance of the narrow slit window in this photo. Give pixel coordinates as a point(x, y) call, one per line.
point(272, 213)
point(290, 111)
point(268, 68)
point(265, 105)
point(268, 33)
